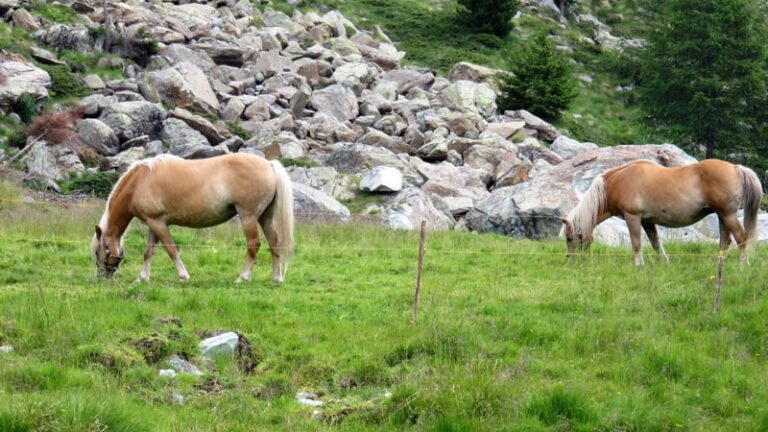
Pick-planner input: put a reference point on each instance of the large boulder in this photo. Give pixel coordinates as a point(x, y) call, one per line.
point(131, 120)
point(42, 165)
point(314, 205)
point(408, 79)
point(408, 208)
point(185, 142)
point(382, 179)
point(568, 147)
point(336, 101)
point(465, 71)
point(533, 209)
point(214, 134)
point(61, 37)
point(98, 135)
point(20, 77)
point(470, 96)
point(123, 160)
point(360, 159)
point(446, 180)
point(325, 179)
point(545, 131)
point(186, 86)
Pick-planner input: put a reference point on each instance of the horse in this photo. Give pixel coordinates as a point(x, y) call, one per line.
point(646, 194)
point(167, 190)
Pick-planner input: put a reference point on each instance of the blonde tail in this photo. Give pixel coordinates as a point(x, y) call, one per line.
point(283, 214)
point(752, 193)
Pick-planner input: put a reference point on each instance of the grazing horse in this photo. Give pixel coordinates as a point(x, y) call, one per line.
point(167, 190)
point(646, 194)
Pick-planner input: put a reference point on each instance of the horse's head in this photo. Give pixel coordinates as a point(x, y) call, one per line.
point(574, 240)
point(108, 254)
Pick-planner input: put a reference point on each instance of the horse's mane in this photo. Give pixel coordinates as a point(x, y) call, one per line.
point(583, 217)
point(149, 163)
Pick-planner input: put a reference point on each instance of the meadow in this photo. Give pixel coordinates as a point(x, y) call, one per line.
point(509, 337)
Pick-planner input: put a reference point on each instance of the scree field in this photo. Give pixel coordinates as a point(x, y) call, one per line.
point(508, 338)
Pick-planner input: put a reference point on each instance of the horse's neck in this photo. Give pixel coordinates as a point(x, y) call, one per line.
point(117, 215)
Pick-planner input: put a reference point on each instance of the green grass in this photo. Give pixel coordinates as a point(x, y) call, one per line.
point(508, 337)
point(54, 12)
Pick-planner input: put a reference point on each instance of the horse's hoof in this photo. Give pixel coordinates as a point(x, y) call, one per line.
point(184, 278)
point(241, 279)
point(141, 280)
point(277, 280)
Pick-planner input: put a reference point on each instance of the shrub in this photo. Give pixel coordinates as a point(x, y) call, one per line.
point(54, 12)
point(55, 127)
point(489, 16)
point(539, 81)
point(26, 107)
point(97, 184)
point(64, 83)
point(239, 131)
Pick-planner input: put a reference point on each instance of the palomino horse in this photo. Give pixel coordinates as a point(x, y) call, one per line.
point(167, 190)
point(646, 194)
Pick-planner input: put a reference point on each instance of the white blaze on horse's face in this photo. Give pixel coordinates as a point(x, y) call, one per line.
point(576, 242)
point(107, 261)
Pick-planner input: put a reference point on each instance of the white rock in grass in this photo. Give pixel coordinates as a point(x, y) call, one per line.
point(223, 344)
point(5, 349)
point(168, 373)
point(382, 179)
point(183, 366)
point(308, 399)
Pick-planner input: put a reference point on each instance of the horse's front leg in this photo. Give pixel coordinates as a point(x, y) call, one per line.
point(162, 233)
point(634, 223)
point(149, 252)
point(653, 236)
point(251, 232)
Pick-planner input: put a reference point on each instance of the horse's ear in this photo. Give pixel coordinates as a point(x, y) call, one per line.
point(98, 232)
point(565, 220)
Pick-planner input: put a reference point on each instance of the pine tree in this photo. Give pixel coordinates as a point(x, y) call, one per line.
point(703, 75)
point(540, 80)
point(489, 16)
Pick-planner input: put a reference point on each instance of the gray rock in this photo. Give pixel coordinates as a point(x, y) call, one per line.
point(185, 142)
point(224, 344)
point(465, 71)
point(470, 96)
point(41, 166)
point(186, 86)
point(212, 133)
point(336, 101)
point(382, 179)
point(458, 206)
point(59, 37)
point(233, 110)
point(6, 349)
point(360, 158)
point(325, 179)
point(183, 366)
point(312, 204)
point(567, 148)
point(23, 19)
point(133, 119)
point(258, 110)
point(408, 79)
point(94, 82)
point(408, 208)
point(99, 136)
point(123, 160)
point(546, 131)
point(447, 180)
point(22, 78)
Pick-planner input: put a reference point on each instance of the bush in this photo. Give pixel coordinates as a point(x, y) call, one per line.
point(26, 107)
point(489, 16)
point(97, 184)
point(539, 81)
point(63, 83)
point(55, 127)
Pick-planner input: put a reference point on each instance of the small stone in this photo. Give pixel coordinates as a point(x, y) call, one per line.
point(5, 349)
point(382, 179)
point(225, 343)
point(168, 373)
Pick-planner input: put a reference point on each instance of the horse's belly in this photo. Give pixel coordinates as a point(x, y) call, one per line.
point(202, 219)
point(678, 220)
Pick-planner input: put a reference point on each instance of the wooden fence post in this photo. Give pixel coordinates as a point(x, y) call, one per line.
point(719, 282)
point(418, 271)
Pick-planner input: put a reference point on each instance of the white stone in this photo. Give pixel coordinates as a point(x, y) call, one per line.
point(168, 373)
point(223, 344)
point(382, 179)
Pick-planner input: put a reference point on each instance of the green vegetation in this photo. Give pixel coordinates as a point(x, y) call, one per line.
point(64, 84)
point(238, 130)
point(287, 162)
point(508, 337)
point(98, 184)
point(54, 12)
point(704, 73)
point(14, 39)
point(489, 16)
point(25, 107)
point(539, 80)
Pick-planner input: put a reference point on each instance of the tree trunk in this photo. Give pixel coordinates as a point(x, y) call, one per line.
point(710, 151)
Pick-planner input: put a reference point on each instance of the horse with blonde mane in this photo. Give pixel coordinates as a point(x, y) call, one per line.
point(646, 194)
point(167, 190)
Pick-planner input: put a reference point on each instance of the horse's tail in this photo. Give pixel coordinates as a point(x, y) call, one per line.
point(283, 213)
point(752, 192)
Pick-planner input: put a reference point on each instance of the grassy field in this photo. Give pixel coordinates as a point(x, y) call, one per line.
point(509, 337)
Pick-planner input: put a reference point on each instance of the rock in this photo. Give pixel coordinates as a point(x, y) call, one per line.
point(505, 129)
point(308, 399)
point(183, 366)
point(233, 110)
point(23, 19)
point(382, 179)
point(94, 82)
point(269, 63)
point(22, 78)
point(202, 125)
point(546, 131)
point(95, 103)
point(224, 344)
point(458, 206)
point(221, 52)
point(186, 86)
point(99, 136)
point(185, 142)
point(41, 166)
point(60, 37)
point(258, 110)
point(6, 349)
point(178, 53)
point(566, 147)
point(133, 119)
point(435, 150)
point(380, 139)
point(325, 179)
point(447, 180)
point(533, 209)
point(336, 101)
point(168, 373)
point(391, 124)
point(285, 146)
point(465, 71)
point(408, 208)
point(470, 96)
point(123, 160)
point(360, 158)
point(312, 204)
point(354, 75)
point(46, 57)
point(298, 102)
point(494, 161)
point(408, 79)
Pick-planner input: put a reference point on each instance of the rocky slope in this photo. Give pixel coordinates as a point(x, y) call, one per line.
point(221, 77)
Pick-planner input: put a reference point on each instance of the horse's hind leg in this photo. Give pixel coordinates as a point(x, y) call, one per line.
point(149, 252)
point(162, 233)
point(251, 231)
point(733, 226)
point(274, 245)
point(653, 236)
point(635, 235)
